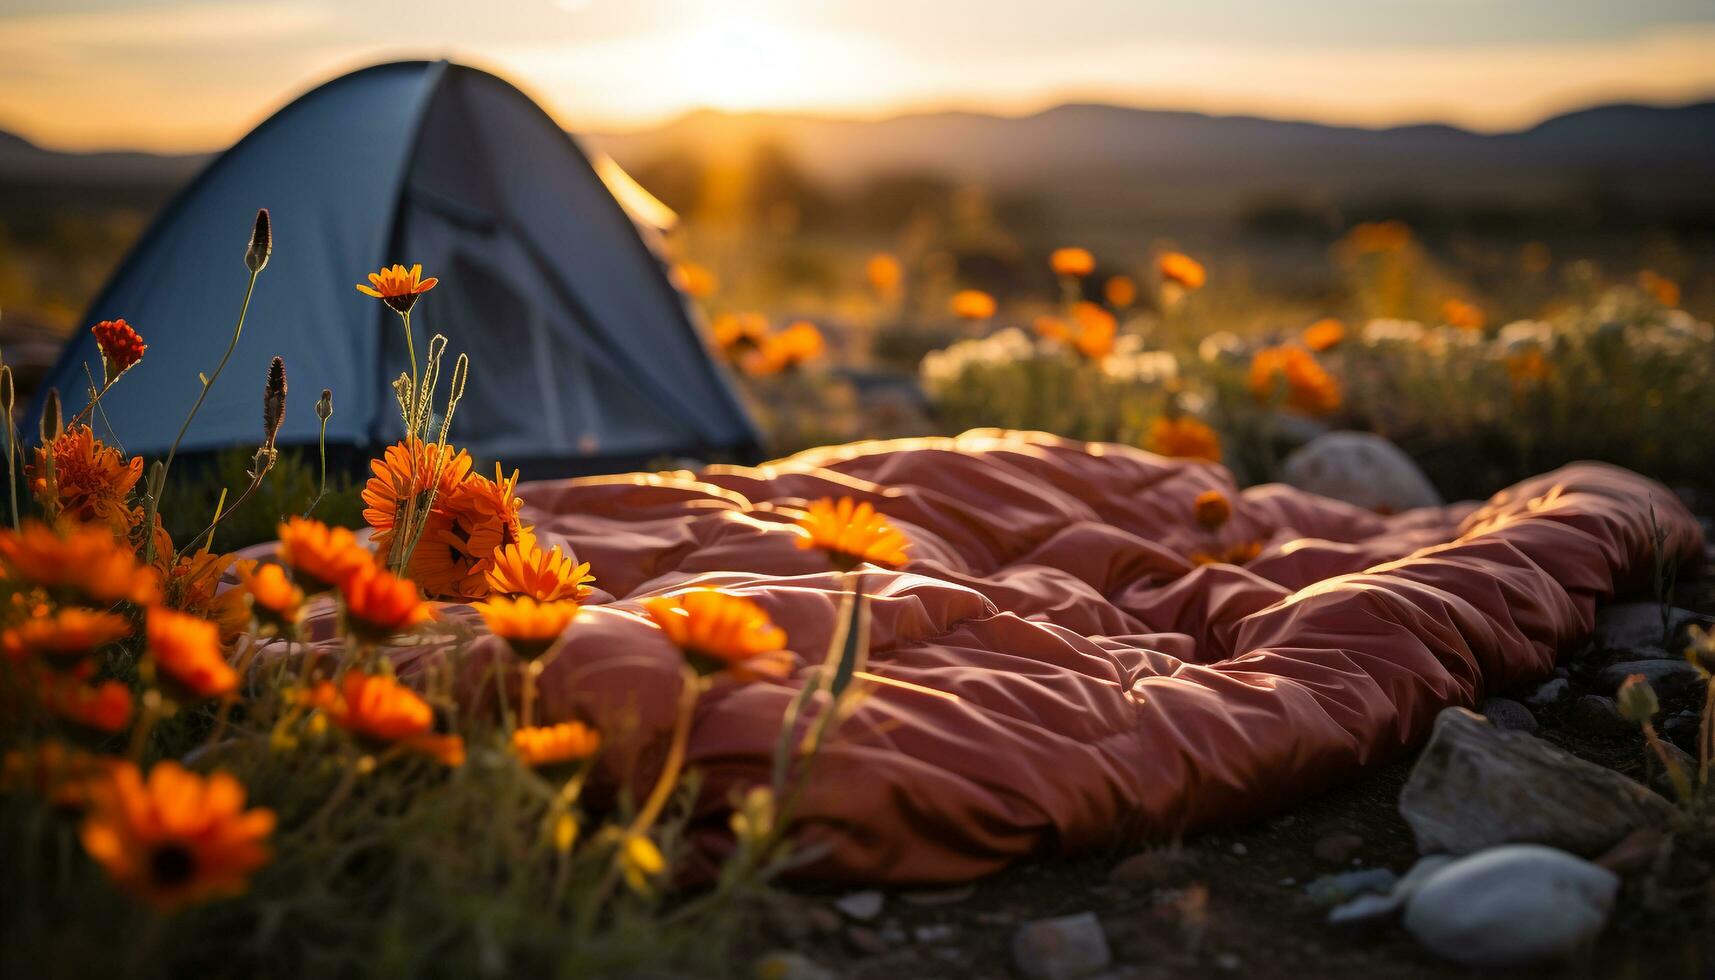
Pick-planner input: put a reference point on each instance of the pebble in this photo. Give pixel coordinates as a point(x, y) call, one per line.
point(1682, 727)
point(862, 906)
point(1508, 714)
point(1229, 962)
point(1240, 850)
point(1625, 625)
point(1597, 713)
point(1061, 949)
point(1337, 848)
point(1666, 676)
point(1335, 889)
point(1365, 910)
point(1511, 906)
point(938, 933)
point(1550, 691)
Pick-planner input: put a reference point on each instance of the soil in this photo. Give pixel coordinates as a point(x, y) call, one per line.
point(1234, 902)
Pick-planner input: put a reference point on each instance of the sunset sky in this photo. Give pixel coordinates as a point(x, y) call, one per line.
point(178, 75)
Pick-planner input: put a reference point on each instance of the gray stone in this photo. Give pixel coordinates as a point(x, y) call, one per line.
point(862, 906)
point(938, 932)
point(1476, 786)
point(1360, 468)
point(1658, 772)
point(1550, 691)
point(1598, 714)
point(1061, 949)
point(1365, 910)
point(1511, 906)
point(1508, 714)
point(1666, 676)
point(1419, 873)
point(1336, 889)
point(1625, 625)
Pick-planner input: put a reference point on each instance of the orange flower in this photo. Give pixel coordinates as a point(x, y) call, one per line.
point(523, 569)
point(1308, 388)
point(884, 273)
point(1185, 271)
point(426, 474)
point(1324, 334)
point(1238, 554)
point(397, 287)
point(1662, 289)
point(65, 638)
point(1465, 316)
point(554, 745)
point(1120, 291)
point(695, 281)
point(851, 533)
point(736, 333)
point(323, 557)
point(61, 775)
point(717, 631)
point(187, 651)
point(1072, 262)
point(529, 627)
point(1212, 509)
point(797, 344)
point(83, 561)
point(379, 604)
point(374, 707)
point(1528, 367)
point(194, 587)
point(465, 527)
point(1183, 437)
point(91, 483)
point(120, 346)
point(274, 600)
point(178, 838)
point(105, 707)
point(1052, 328)
point(973, 304)
point(1370, 237)
point(448, 750)
point(1096, 329)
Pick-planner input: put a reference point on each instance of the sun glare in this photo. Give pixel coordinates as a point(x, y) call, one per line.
point(742, 62)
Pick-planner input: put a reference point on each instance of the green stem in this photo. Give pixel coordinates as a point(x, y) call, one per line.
point(172, 451)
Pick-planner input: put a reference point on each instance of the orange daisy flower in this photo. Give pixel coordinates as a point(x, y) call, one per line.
point(92, 483)
point(1324, 334)
point(465, 528)
point(120, 347)
point(529, 627)
point(797, 344)
point(1052, 328)
point(63, 776)
point(717, 631)
point(1120, 291)
point(379, 604)
point(64, 638)
point(194, 587)
point(378, 710)
point(736, 333)
point(1212, 509)
point(274, 600)
point(1096, 330)
point(884, 273)
point(177, 838)
point(323, 557)
point(104, 707)
point(555, 745)
point(1183, 270)
point(1308, 388)
point(1465, 316)
point(523, 569)
point(1073, 262)
point(186, 650)
point(1238, 554)
point(82, 561)
point(1183, 437)
point(695, 281)
point(973, 304)
point(852, 533)
point(398, 287)
point(1660, 288)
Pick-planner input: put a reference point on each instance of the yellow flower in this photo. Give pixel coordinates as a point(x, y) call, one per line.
point(177, 838)
point(1183, 437)
point(852, 533)
point(398, 287)
point(1075, 263)
point(640, 861)
point(523, 569)
point(717, 631)
point(529, 627)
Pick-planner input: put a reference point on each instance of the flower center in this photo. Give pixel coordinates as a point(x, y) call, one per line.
point(171, 864)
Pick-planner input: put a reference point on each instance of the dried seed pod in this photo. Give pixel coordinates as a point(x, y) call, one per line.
point(53, 419)
point(261, 242)
point(274, 401)
point(324, 407)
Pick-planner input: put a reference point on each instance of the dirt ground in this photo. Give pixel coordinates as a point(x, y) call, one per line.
point(1234, 902)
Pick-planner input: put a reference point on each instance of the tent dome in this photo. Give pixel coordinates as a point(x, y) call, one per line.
point(583, 355)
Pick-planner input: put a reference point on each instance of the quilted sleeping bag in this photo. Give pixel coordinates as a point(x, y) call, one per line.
point(1057, 672)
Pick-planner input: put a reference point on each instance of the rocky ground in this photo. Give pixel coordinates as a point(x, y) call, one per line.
point(1316, 891)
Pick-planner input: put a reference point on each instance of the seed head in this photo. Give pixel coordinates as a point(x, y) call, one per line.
point(1636, 700)
point(274, 401)
point(324, 408)
point(261, 242)
point(53, 420)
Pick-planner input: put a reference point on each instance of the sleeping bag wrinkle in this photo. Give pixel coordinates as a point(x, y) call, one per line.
point(1060, 666)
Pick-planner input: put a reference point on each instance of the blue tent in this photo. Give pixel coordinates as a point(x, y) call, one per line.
point(583, 355)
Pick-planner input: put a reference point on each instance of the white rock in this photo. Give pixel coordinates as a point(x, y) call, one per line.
point(1360, 468)
point(862, 906)
point(1511, 906)
point(1476, 786)
point(1061, 949)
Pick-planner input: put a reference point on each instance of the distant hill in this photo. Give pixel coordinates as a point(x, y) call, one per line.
point(1099, 158)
